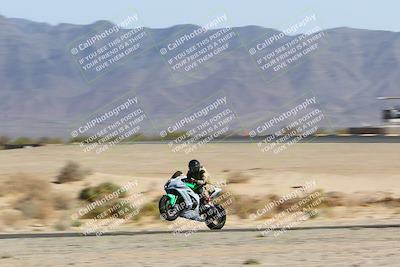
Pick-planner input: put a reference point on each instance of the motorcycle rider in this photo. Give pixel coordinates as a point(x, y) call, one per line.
point(199, 175)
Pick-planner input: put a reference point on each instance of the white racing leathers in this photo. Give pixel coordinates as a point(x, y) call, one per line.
point(191, 210)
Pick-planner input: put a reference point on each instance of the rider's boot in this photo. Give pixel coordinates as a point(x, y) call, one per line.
point(207, 201)
point(207, 204)
point(192, 215)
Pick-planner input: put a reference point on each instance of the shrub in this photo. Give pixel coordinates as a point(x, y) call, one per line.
point(108, 188)
point(26, 185)
point(35, 208)
point(6, 256)
point(251, 262)
point(91, 194)
point(71, 172)
point(22, 141)
point(150, 209)
point(291, 203)
point(243, 205)
point(81, 139)
point(36, 201)
point(174, 135)
point(88, 194)
point(136, 137)
point(50, 140)
point(76, 223)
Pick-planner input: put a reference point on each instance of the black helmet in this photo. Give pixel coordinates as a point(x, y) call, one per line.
point(194, 166)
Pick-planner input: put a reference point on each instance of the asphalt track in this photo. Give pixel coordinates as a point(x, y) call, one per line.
point(232, 230)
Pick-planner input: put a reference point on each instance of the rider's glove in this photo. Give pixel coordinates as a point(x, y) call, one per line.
point(200, 182)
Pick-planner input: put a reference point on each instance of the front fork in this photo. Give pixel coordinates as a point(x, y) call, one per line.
point(172, 199)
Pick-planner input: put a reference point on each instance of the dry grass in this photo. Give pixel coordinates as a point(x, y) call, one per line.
point(339, 199)
point(335, 199)
point(244, 205)
point(11, 217)
point(71, 172)
point(34, 197)
point(389, 202)
point(62, 201)
point(24, 184)
point(35, 208)
point(149, 209)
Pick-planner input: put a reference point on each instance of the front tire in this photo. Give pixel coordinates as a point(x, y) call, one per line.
point(167, 211)
point(216, 217)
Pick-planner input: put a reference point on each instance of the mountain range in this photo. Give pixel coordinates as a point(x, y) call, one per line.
point(44, 91)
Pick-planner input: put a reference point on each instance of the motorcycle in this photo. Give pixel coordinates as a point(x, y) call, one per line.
point(179, 192)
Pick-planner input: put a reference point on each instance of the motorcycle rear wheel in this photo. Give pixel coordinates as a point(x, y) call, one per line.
point(216, 220)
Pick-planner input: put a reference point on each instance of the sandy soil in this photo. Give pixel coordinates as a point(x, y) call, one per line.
point(344, 247)
point(335, 167)
point(368, 169)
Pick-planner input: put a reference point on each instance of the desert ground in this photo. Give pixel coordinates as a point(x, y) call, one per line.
point(342, 247)
point(363, 172)
point(361, 183)
point(344, 167)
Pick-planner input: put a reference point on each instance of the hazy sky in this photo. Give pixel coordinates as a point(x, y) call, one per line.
point(366, 14)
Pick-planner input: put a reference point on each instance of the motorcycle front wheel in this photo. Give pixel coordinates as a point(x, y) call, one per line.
point(167, 211)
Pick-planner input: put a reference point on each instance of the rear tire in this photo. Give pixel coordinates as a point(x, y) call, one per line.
point(167, 211)
point(216, 220)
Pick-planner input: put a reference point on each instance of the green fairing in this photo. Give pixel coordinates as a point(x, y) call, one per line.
point(172, 199)
point(190, 185)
